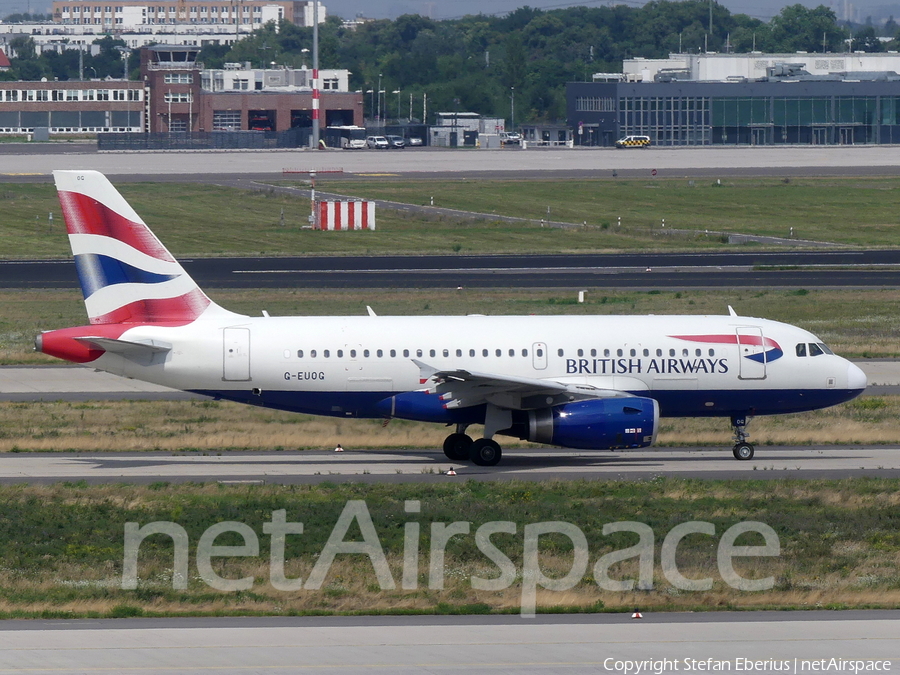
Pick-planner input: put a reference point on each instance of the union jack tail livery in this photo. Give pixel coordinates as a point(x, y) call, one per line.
point(126, 274)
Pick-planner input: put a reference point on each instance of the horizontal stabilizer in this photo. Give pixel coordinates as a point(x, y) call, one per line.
point(124, 347)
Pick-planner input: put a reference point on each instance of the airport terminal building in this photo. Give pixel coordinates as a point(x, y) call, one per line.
point(754, 100)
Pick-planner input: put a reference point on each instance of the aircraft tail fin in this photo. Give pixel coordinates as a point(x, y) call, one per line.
point(126, 274)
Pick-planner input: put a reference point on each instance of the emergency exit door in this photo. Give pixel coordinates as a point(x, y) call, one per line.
point(236, 354)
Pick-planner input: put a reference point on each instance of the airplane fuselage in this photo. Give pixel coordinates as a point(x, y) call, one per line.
point(344, 366)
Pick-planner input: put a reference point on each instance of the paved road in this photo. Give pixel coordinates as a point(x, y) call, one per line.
point(425, 644)
point(807, 269)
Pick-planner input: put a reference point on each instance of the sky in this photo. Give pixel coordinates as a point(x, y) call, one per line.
point(449, 9)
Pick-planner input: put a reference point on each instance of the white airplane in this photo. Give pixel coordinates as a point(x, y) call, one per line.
point(590, 382)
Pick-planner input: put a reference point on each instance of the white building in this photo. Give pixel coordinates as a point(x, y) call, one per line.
point(732, 67)
point(241, 77)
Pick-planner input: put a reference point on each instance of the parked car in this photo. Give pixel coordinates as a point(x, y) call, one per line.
point(396, 142)
point(510, 138)
point(356, 143)
point(377, 142)
point(414, 141)
point(633, 142)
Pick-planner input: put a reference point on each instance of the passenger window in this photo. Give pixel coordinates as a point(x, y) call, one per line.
point(619, 352)
point(685, 352)
point(299, 353)
point(326, 353)
point(633, 352)
point(379, 353)
point(446, 352)
point(698, 352)
point(524, 352)
point(605, 352)
point(340, 353)
point(659, 352)
point(393, 353)
point(459, 352)
point(418, 352)
point(366, 353)
point(593, 352)
point(540, 352)
point(646, 352)
point(432, 353)
point(814, 349)
point(484, 352)
point(712, 352)
point(312, 353)
point(560, 352)
point(671, 352)
point(498, 352)
point(825, 348)
point(471, 352)
point(801, 349)
point(406, 353)
point(580, 352)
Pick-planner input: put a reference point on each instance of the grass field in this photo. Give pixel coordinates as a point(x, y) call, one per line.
point(856, 323)
point(62, 546)
point(195, 219)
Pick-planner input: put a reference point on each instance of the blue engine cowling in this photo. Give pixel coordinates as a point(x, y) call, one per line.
point(598, 424)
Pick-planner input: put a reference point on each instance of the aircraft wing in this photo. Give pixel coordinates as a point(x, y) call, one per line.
point(464, 388)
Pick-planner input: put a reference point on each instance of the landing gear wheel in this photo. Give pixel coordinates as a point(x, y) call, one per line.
point(485, 452)
point(743, 451)
point(457, 446)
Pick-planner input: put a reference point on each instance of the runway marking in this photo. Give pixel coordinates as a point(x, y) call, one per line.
point(34, 173)
point(378, 174)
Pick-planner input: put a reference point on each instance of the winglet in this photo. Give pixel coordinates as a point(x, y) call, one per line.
point(370, 311)
point(731, 311)
point(425, 371)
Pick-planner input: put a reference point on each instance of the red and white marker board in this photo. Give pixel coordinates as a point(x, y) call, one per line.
point(347, 215)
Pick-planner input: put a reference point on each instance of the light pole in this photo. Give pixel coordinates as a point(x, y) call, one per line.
point(371, 93)
point(380, 92)
point(397, 91)
point(512, 109)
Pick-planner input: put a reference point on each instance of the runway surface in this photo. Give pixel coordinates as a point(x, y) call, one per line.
point(762, 643)
point(807, 269)
point(666, 161)
point(429, 466)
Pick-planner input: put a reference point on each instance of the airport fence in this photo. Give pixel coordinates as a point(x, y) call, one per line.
point(205, 140)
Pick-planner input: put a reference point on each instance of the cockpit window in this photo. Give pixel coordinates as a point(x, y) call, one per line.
point(825, 348)
point(801, 349)
point(815, 350)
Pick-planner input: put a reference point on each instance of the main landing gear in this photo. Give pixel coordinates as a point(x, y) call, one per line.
point(460, 447)
point(742, 449)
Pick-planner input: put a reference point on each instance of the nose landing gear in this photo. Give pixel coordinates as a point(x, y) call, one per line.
point(742, 449)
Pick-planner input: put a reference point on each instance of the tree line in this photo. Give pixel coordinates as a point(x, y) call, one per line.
point(487, 64)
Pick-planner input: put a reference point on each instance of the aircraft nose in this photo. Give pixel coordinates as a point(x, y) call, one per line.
point(856, 378)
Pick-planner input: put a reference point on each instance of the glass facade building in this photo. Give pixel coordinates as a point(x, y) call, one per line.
point(806, 112)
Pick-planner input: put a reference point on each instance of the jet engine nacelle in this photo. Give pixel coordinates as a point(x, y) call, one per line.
point(597, 424)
